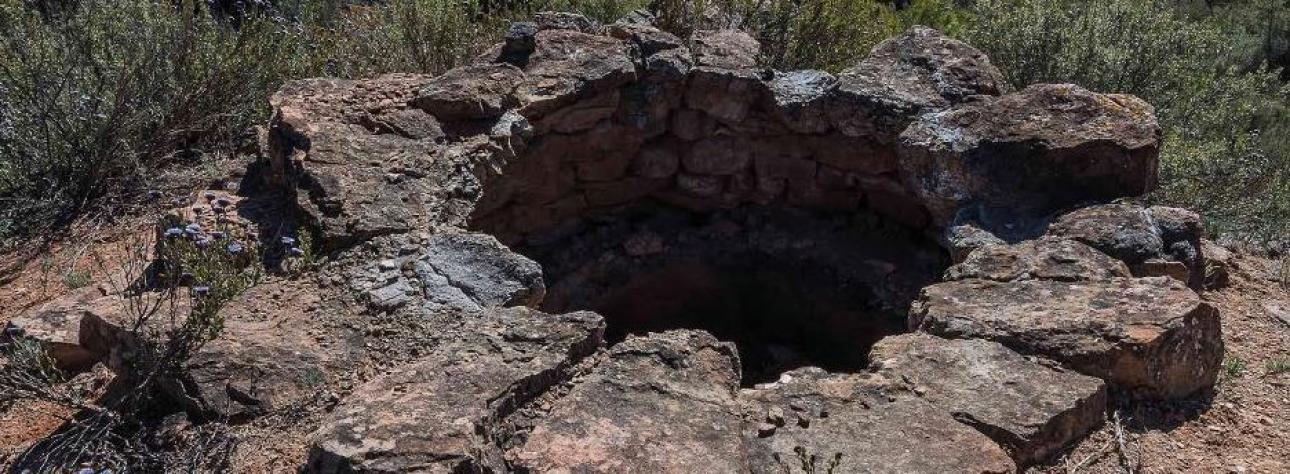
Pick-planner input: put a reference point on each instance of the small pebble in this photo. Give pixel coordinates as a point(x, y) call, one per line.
point(776, 416)
point(765, 430)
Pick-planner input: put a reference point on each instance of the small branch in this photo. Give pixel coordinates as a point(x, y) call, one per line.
point(1101, 453)
point(1122, 448)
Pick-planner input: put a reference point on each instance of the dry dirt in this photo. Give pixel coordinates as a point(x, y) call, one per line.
point(1243, 427)
point(30, 277)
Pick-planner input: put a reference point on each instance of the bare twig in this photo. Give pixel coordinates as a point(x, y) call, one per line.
point(1121, 445)
point(1092, 458)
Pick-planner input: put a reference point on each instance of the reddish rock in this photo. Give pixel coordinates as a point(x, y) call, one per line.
point(76, 330)
point(568, 66)
point(658, 403)
point(725, 82)
point(1150, 337)
point(470, 92)
point(274, 345)
point(440, 414)
point(859, 423)
point(1031, 407)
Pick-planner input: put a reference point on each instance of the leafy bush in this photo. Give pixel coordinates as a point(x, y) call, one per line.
point(1226, 151)
point(172, 294)
point(96, 95)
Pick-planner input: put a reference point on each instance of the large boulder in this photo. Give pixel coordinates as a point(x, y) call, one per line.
point(1156, 241)
point(859, 423)
point(441, 413)
point(1149, 337)
point(1032, 152)
point(725, 83)
point(1031, 407)
point(800, 100)
point(663, 402)
point(355, 176)
point(472, 92)
point(568, 66)
point(919, 71)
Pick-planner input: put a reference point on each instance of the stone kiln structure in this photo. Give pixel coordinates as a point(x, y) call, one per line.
point(623, 170)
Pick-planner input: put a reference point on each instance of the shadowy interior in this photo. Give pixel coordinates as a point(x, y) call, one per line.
point(790, 287)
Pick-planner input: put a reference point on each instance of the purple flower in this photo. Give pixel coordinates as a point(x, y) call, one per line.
point(217, 235)
point(201, 290)
point(174, 232)
point(203, 242)
point(193, 228)
point(288, 241)
point(296, 251)
point(234, 248)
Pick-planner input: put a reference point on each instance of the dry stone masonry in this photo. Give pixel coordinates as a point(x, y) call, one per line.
point(903, 267)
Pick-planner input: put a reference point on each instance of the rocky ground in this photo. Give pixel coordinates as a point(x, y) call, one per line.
point(1245, 427)
point(451, 210)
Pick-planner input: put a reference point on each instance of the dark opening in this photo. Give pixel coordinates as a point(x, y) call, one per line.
point(789, 287)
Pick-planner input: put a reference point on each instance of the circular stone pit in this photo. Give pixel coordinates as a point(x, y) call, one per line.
point(682, 192)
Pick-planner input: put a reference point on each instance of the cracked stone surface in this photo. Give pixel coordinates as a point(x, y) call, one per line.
point(435, 414)
point(1031, 407)
point(1152, 337)
point(658, 403)
point(865, 423)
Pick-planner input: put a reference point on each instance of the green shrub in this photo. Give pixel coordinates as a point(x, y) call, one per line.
point(1225, 154)
point(1233, 367)
point(74, 279)
point(94, 98)
point(1279, 365)
point(213, 267)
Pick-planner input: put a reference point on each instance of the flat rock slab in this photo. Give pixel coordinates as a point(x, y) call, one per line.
point(275, 350)
point(1045, 259)
point(658, 403)
point(61, 325)
point(859, 423)
point(1031, 407)
point(440, 414)
point(85, 326)
point(452, 271)
point(1151, 337)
